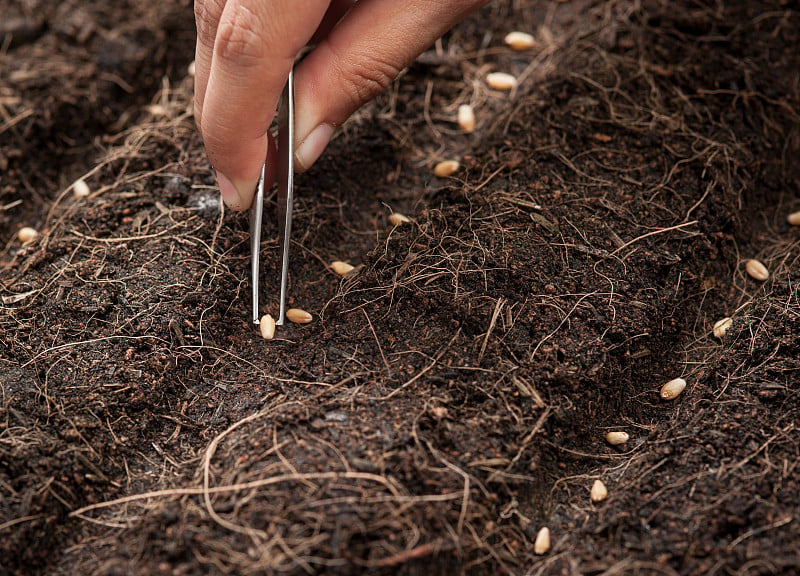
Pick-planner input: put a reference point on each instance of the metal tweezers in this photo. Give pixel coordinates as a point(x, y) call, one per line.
point(285, 173)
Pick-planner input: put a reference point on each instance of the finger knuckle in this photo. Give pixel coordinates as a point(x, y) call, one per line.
point(206, 15)
point(366, 76)
point(239, 37)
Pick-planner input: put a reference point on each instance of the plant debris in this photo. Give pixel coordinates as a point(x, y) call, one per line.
point(453, 396)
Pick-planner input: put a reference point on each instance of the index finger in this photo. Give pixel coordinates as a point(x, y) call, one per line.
point(255, 46)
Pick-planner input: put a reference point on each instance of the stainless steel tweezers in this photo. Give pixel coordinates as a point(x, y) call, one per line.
point(285, 174)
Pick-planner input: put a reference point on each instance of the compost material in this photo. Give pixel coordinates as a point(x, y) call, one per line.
point(453, 393)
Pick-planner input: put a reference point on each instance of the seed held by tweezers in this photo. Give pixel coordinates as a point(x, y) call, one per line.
point(446, 168)
point(599, 492)
point(501, 81)
point(757, 270)
point(341, 268)
point(396, 219)
point(519, 40)
point(673, 389)
point(26, 234)
point(542, 543)
point(617, 437)
point(721, 327)
point(298, 316)
point(466, 118)
point(267, 326)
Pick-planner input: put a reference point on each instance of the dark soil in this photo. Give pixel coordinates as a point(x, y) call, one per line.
point(452, 395)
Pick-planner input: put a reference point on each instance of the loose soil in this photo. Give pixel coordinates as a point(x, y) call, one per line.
point(452, 394)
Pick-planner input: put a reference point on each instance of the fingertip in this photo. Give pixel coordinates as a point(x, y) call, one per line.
point(312, 146)
point(238, 194)
point(230, 193)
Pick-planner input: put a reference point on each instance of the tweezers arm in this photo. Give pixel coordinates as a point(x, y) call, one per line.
point(285, 185)
point(256, 217)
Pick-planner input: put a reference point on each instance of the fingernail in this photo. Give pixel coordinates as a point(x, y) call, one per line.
point(229, 194)
point(311, 148)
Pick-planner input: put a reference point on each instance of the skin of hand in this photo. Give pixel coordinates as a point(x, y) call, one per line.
point(245, 49)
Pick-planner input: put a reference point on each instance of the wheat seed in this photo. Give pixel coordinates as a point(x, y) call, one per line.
point(190, 69)
point(396, 219)
point(542, 543)
point(466, 118)
point(673, 389)
point(617, 438)
point(157, 110)
point(794, 218)
point(446, 168)
point(298, 316)
point(519, 40)
point(721, 327)
point(599, 492)
point(267, 326)
point(26, 234)
point(80, 189)
point(341, 268)
point(501, 81)
point(757, 270)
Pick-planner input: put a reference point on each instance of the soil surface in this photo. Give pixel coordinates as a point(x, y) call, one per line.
point(452, 395)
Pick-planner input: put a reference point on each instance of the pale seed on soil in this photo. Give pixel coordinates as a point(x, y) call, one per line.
point(156, 110)
point(190, 68)
point(396, 219)
point(721, 327)
point(501, 81)
point(599, 492)
point(439, 412)
point(519, 40)
point(80, 189)
point(446, 168)
point(673, 389)
point(794, 218)
point(617, 438)
point(466, 118)
point(542, 543)
point(26, 234)
point(341, 268)
point(298, 316)
point(267, 326)
point(757, 270)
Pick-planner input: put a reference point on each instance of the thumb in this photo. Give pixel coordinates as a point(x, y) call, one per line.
point(359, 58)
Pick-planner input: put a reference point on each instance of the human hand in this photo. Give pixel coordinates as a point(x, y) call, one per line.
point(245, 49)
